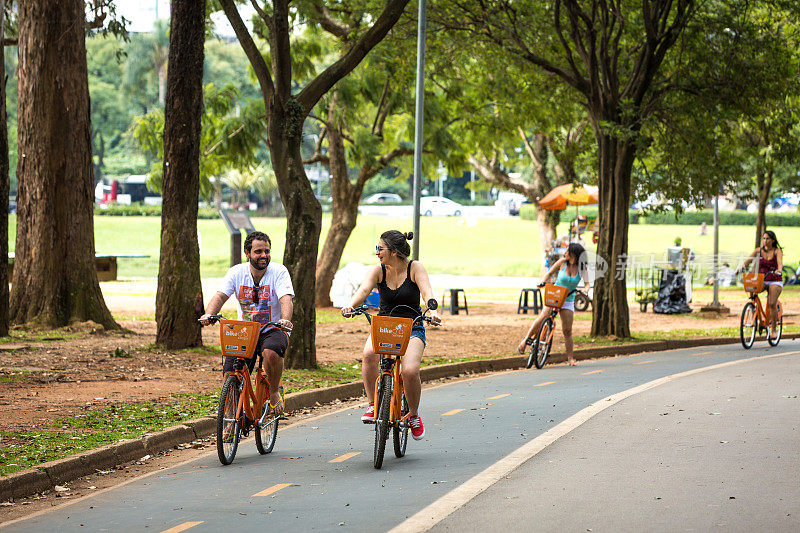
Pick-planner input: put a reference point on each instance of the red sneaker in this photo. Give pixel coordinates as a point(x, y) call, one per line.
point(369, 415)
point(417, 429)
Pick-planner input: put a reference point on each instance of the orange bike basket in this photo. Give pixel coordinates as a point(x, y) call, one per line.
point(555, 295)
point(238, 338)
point(390, 334)
point(753, 282)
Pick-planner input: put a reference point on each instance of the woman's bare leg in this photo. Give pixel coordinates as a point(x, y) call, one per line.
point(772, 303)
point(412, 386)
point(533, 329)
point(369, 370)
point(566, 328)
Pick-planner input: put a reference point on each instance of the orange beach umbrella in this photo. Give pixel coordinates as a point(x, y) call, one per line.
point(570, 194)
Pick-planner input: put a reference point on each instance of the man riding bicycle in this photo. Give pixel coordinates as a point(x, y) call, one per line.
point(264, 294)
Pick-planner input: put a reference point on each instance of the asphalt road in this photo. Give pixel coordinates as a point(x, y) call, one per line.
point(619, 458)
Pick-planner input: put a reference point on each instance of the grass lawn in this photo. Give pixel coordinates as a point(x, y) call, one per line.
point(489, 246)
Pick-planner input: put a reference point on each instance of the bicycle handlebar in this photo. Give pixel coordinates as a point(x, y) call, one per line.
point(362, 310)
point(213, 319)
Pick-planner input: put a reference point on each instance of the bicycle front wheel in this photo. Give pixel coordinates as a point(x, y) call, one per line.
point(229, 428)
point(400, 434)
point(384, 401)
point(266, 433)
point(747, 325)
point(541, 346)
point(777, 334)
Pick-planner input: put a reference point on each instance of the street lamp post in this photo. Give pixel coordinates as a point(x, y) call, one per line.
point(418, 108)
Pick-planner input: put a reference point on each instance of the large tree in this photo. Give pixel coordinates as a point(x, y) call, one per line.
point(611, 53)
point(179, 297)
point(4, 183)
point(55, 281)
point(286, 112)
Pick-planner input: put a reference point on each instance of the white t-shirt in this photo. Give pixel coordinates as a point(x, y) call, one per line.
point(274, 284)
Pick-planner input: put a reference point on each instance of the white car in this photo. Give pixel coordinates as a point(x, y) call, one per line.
point(439, 206)
point(383, 198)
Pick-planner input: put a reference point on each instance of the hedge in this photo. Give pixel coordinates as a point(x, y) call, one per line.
point(687, 218)
point(141, 210)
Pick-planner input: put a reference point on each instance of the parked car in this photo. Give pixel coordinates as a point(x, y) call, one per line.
point(12, 207)
point(383, 198)
point(439, 206)
point(514, 206)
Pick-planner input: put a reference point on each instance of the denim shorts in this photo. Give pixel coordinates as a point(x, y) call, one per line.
point(418, 330)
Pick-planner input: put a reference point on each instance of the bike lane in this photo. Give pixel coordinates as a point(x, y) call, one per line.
point(470, 425)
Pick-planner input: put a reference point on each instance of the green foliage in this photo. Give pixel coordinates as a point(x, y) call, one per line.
point(727, 218)
point(228, 139)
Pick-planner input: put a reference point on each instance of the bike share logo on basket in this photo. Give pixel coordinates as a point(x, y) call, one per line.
point(397, 331)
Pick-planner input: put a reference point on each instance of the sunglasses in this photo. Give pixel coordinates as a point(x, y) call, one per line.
point(255, 296)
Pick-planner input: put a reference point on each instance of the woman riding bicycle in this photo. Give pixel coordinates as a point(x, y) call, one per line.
point(769, 258)
point(571, 268)
point(400, 283)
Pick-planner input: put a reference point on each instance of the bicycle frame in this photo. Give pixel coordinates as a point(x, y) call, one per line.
point(391, 366)
point(762, 315)
point(251, 402)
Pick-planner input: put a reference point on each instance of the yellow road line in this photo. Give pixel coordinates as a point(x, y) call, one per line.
point(545, 383)
point(592, 372)
point(182, 527)
point(702, 353)
point(454, 411)
point(644, 362)
point(274, 488)
point(498, 396)
point(344, 457)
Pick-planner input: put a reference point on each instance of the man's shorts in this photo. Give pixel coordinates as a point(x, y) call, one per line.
point(272, 339)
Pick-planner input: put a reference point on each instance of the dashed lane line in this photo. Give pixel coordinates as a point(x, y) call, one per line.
point(497, 397)
point(454, 411)
point(458, 497)
point(702, 353)
point(344, 457)
point(272, 489)
point(545, 383)
point(592, 372)
point(645, 362)
point(182, 527)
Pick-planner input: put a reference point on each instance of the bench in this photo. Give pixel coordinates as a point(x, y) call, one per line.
point(104, 264)
point(536, 304)
point(455, 307)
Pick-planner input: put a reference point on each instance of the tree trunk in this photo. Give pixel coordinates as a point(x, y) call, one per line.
point(610, 305)
point(344, 211)
point(764, 187)
point(4, 185)
point(179, 297)
point(303, 226)
point(55, 282)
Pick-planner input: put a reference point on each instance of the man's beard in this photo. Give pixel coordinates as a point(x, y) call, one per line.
point(255, 263)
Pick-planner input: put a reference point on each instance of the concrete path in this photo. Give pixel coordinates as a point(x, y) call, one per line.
point(320, 476)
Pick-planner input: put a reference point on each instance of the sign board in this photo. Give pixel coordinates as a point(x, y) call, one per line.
point(236, 221)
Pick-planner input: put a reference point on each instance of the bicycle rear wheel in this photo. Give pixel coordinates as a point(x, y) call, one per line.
point(229, 428)
point(777, 339)
point(747, 325)
point(400, 434)
point(581, 302)
point(382, 420)
point(541, 346)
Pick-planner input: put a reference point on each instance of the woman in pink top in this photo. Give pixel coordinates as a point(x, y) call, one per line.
point(769, 258)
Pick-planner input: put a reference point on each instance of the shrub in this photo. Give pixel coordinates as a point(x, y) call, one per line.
point(141, 210)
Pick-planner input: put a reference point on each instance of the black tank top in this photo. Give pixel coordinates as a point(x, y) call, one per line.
point(406, 294)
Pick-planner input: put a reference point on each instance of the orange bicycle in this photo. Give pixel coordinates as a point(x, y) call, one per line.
point(755, 317)
point(554, 297)
point(390, 336)
point(240, 407)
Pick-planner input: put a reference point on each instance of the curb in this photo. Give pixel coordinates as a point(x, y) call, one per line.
point(46, 475)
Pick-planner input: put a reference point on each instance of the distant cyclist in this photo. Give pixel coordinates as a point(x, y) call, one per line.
point(769, 258)
point(400, 283)
point(570, 268)
point(263, 294)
